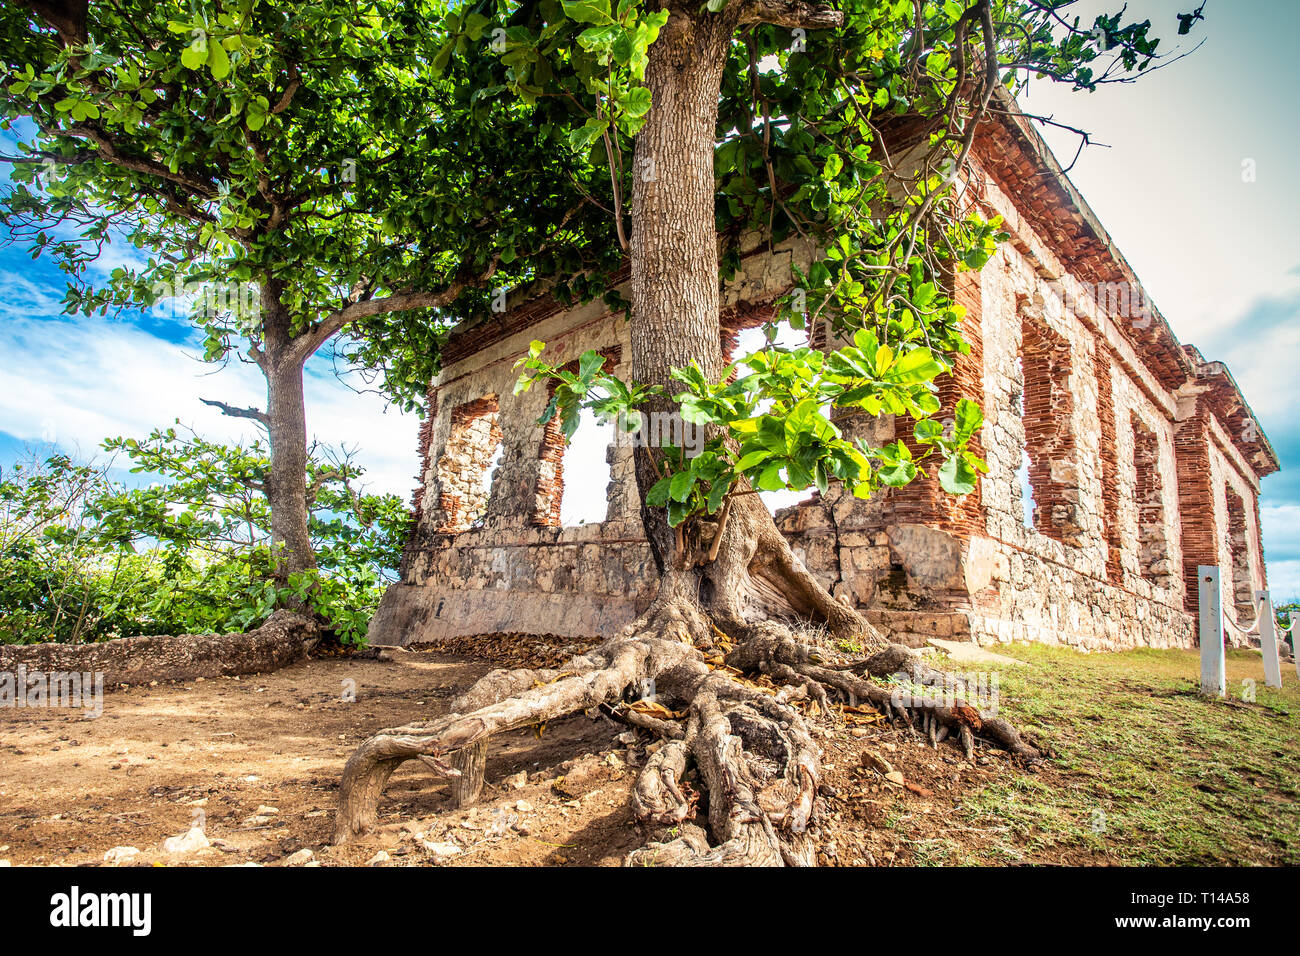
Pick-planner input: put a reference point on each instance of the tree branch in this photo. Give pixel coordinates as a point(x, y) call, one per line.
point(255, 414)
point(790, 13)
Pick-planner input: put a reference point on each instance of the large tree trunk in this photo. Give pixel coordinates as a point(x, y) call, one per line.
point(675, 321)
point(725, 585)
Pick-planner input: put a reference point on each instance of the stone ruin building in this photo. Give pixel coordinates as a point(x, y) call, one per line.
point(1119, 460)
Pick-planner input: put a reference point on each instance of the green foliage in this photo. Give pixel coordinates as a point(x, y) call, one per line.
point(771, 426)
point(312, 152)
point(84, 557)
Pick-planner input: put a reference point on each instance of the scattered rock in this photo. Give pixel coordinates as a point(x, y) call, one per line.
point(380, 857)
point(442, 851)
point(523, 806)
point(518, 781)
point(895, 777)
point(195, 839)
point(300, 858)
point(876, 762)
point(121, 854)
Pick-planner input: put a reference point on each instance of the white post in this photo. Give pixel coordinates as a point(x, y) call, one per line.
point(1213, 682)
point(1292, 619)
point(1268, 640)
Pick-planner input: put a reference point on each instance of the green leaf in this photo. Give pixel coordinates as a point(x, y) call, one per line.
point(770, 479)
point(600, 37)
point(637, 101)
point(657, 496)
point(753, 458)
point(218, 61)
point(913, 368)
point(582, 138)
point(587, 11)
point(968, 420)
point(194, 55)
point(678, 512)
point(679, 488)
point(956, 476)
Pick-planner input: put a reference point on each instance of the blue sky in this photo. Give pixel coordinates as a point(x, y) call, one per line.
point(1217, 254)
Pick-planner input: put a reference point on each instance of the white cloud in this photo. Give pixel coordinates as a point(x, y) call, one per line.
point(78, 382)
point(1284, 582)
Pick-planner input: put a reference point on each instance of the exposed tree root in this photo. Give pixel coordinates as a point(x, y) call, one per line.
point(752, 750)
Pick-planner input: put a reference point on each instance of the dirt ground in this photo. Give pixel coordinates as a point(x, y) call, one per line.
point(255, 762)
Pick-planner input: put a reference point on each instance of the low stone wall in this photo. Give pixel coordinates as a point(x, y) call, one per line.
point(283, 639)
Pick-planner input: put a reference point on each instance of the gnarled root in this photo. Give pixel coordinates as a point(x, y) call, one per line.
point(755, 756)
point(499, 702)
point(943, 712)
point(753, 752)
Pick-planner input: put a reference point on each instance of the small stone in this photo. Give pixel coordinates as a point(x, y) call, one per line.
point(876, 762)
point(266, 811)
point(195, 839)
point(518, 781)
point(121, 854)
point(523, 806)
point(442, 851)
point(380, 857)
point(895, 777)
point(300, 858)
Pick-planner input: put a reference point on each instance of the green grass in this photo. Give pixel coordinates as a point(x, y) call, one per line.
point(1142, 770)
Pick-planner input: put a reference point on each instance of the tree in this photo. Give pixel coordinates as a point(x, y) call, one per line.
point(293, 171)
point(727, 141)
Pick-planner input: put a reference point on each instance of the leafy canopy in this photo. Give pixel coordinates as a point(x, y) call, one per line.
point(287, 169)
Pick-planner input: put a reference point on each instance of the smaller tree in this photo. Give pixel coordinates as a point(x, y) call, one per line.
point(85, 557)
point(295, 171)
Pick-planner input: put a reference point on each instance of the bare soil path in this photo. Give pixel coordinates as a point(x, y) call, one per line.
point(256, 761)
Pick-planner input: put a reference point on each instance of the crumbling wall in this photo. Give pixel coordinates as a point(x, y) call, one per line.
point(513, 567)
point(1130, 468)
point(474, 435)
